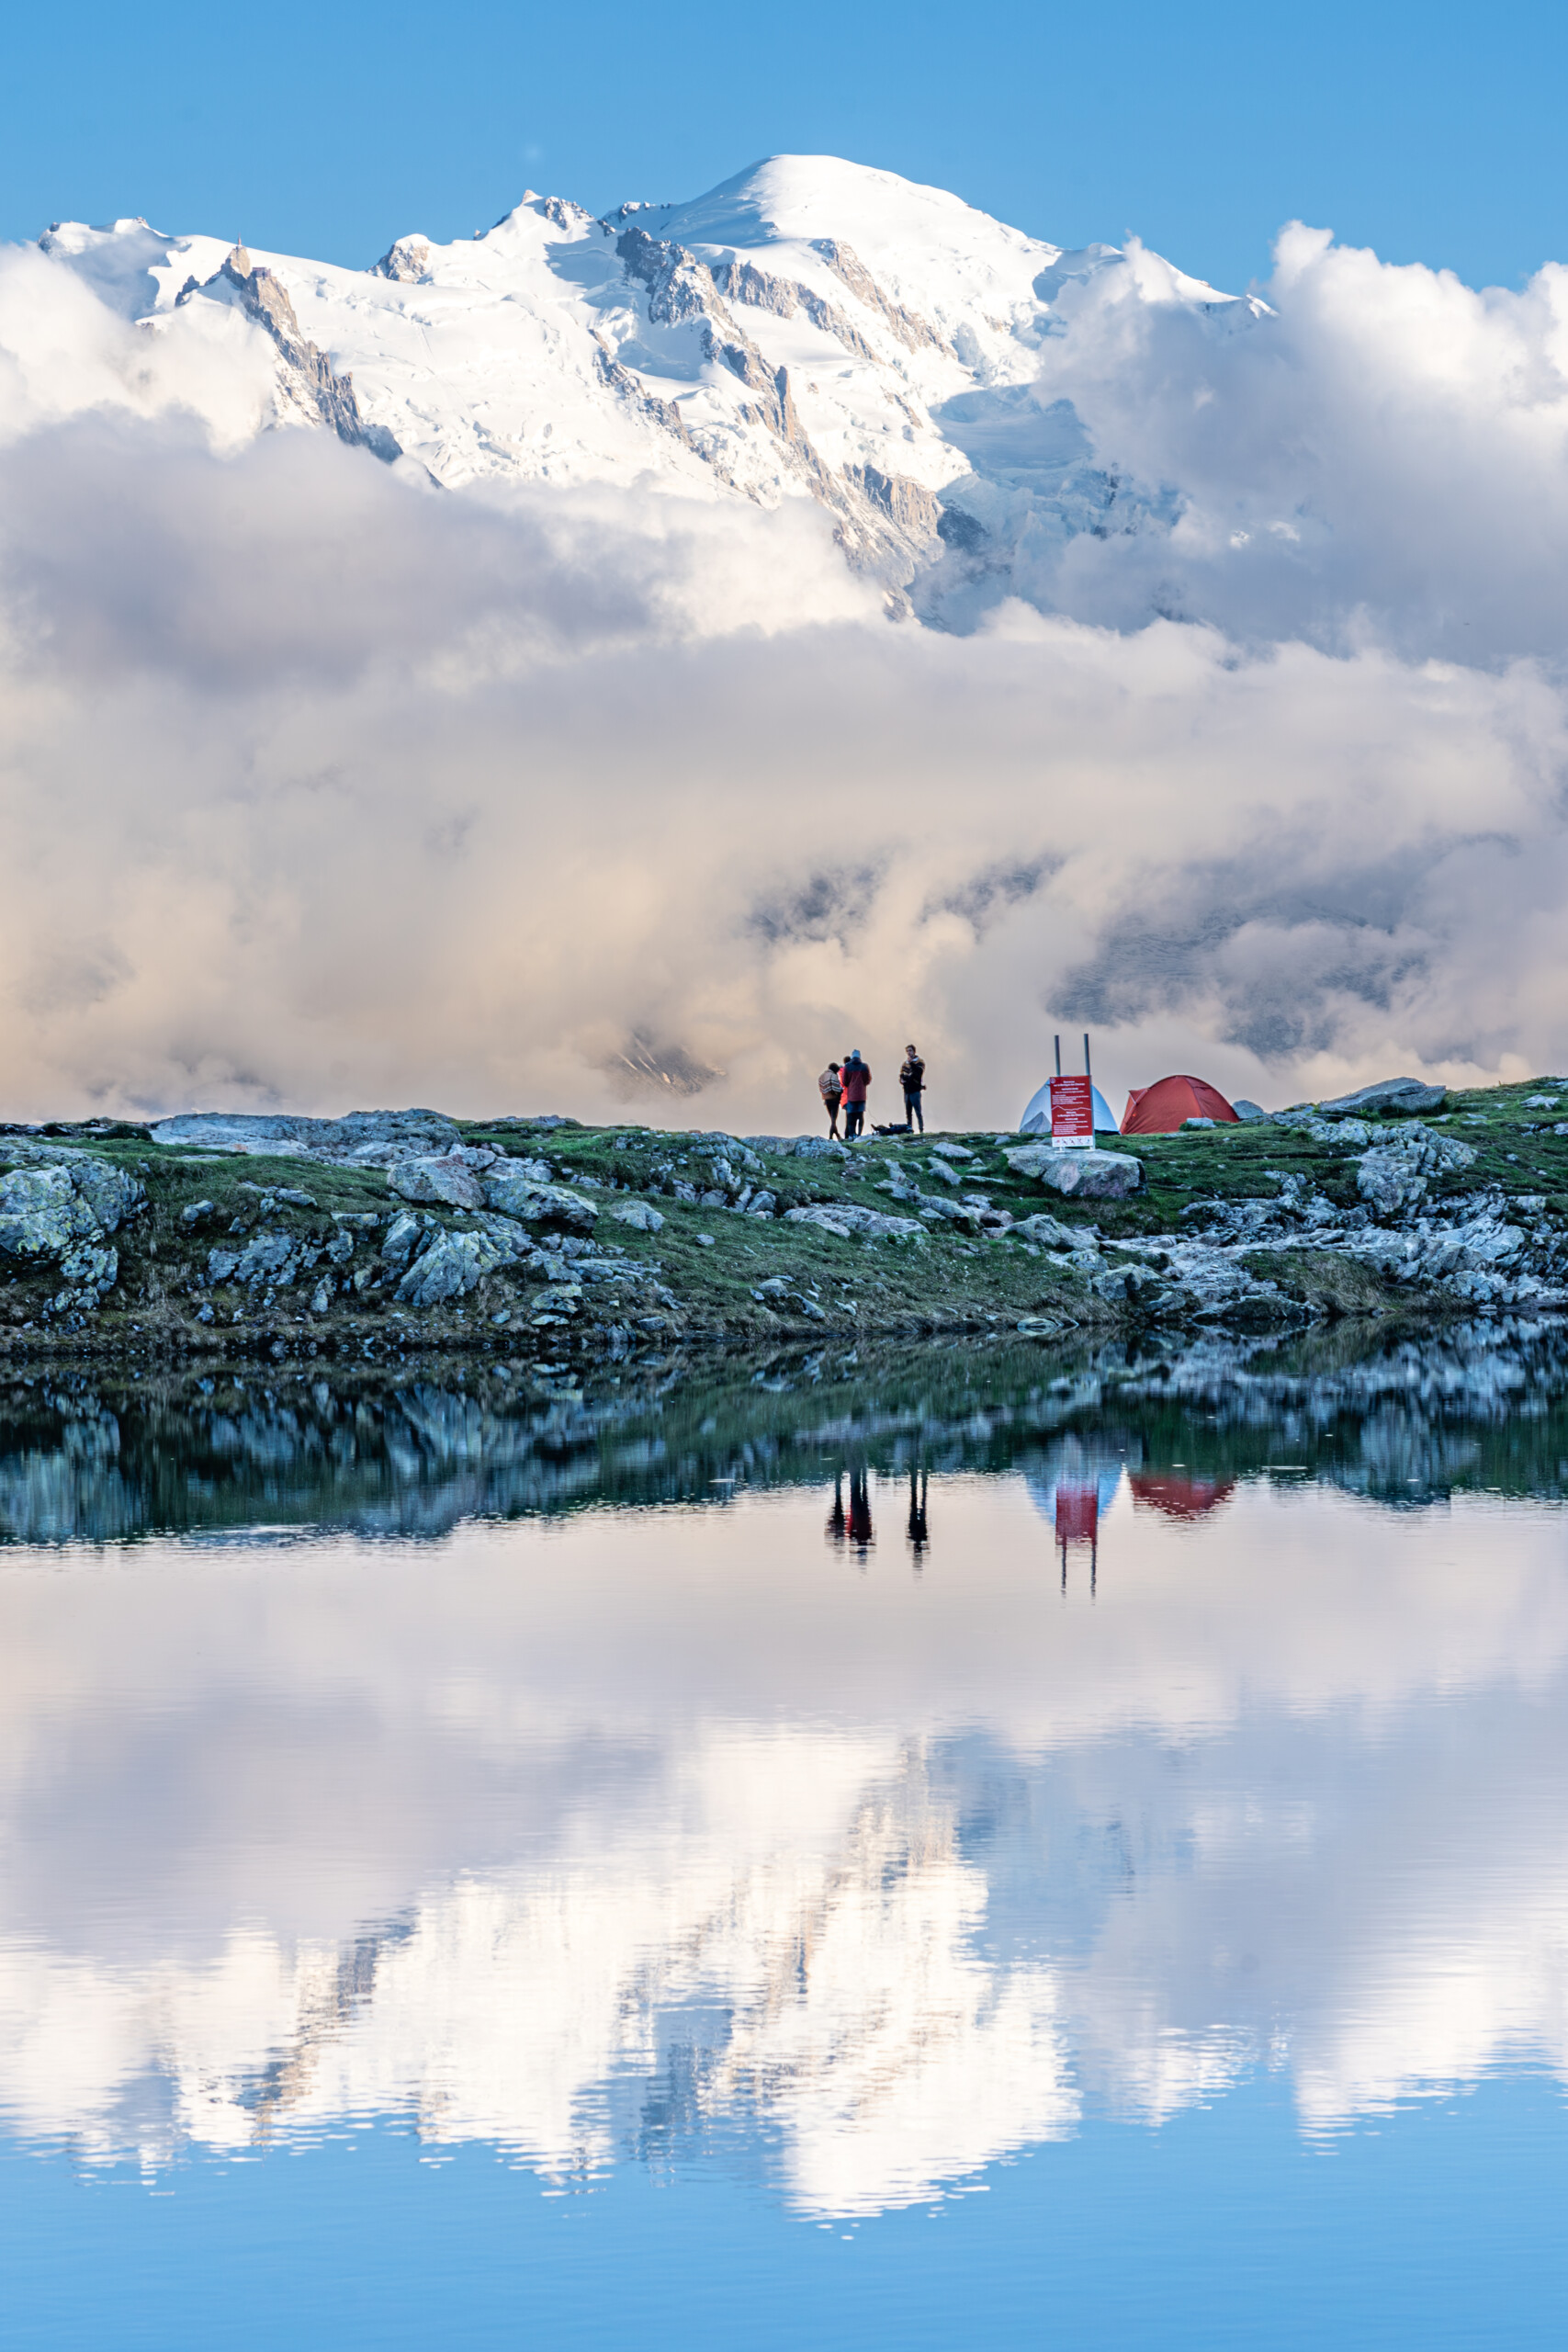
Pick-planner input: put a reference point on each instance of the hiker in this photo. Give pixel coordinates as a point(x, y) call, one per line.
point(912, 1079)
point(831, 1086)
point(856, 1075)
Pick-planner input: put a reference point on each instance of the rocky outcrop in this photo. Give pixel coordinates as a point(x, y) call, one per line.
point(308, 381)
point(58, 1214)
point(913, 332)
point(1410, 1096)
point(366, 1138)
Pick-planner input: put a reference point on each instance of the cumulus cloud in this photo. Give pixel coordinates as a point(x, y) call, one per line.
point(322, 788)
point(1384, 455)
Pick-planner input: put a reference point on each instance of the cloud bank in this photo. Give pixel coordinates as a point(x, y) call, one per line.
point(323, 789)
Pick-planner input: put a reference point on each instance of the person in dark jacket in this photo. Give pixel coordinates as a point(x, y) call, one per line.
point(831, 1086)
point(856, 1075)
point(912, 1079)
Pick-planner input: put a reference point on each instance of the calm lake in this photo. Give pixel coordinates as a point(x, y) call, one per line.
point(965, 1847)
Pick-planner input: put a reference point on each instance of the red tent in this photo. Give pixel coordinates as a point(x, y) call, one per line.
point(1159, 1109)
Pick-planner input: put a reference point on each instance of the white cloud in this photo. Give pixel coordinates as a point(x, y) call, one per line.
point(320, 790)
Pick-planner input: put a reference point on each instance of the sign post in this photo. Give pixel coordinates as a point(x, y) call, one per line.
point(1072, 1114)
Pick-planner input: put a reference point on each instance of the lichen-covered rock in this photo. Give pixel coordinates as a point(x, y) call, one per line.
point(1407, 1096)
point(1049, 1233)
point(61, 1214)
point(369, 1137)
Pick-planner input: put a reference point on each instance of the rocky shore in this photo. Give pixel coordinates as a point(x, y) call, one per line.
point(382, 1234)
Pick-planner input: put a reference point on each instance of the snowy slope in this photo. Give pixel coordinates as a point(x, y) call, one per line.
point(809, 328)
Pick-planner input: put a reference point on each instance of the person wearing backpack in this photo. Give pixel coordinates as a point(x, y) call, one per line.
point(831, 1086)
point(856, 1075)
point(912, 1079)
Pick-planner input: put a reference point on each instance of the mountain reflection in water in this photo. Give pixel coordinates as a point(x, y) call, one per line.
point(591, 1832)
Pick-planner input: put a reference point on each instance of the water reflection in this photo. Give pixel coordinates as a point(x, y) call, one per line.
point(595, 1833)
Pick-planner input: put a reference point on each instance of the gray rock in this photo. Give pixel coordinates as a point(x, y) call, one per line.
point(362, 1136)
point(1407, 1096)
point(60, 1214)
point(1049, 1233)
point(847, 1217)
point(450, 1178)
point(513, 1194)
point(821, 1148)
point(452, 1263)
point(195, 1211)
point(1079, 1175)
point(1199, 1123)
point(1394, 1177)
point(639, 1217)
point(1250, 1114)
point(403, 1238)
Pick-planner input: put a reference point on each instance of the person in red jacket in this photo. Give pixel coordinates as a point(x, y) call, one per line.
point(856, 1075)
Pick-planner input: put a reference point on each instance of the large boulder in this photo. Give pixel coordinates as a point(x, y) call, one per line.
point(1408, 1096)
point(452, 1178)
point(1079, 1175)
point(60, 1214)
point(512, 1192)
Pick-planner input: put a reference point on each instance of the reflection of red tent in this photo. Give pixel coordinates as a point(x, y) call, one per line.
point(1177, 1496)
point(1159, 1109)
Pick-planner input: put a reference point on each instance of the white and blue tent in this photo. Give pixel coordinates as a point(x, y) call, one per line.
point(1036, 1119)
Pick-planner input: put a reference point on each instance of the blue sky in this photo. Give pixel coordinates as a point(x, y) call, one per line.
point(1432, 133)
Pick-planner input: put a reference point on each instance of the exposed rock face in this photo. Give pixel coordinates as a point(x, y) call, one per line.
point(61, 1215)
point(1409, 1095)
point(407, 261)
point(1393, 1177)
point(310, 382)
point(1079, 1175)
point(372, 1139)
point(846, 264)
point(452, 1264)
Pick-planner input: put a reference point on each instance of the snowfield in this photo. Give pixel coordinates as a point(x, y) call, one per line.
point(810, 329)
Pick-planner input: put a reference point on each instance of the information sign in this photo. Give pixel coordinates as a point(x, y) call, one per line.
point(1072, 1112)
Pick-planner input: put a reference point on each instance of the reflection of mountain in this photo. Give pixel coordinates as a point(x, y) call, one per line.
point(606, 1841)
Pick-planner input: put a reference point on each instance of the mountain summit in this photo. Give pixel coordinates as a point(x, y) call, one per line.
point(809, 328)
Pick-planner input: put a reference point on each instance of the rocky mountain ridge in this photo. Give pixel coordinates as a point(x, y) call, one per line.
point(808, 330)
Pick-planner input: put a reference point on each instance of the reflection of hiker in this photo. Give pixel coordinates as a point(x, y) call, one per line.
point(912, 1079)
point(919, 1531)
point(831, 1086)
point(856, 1075)
point(861, 1533)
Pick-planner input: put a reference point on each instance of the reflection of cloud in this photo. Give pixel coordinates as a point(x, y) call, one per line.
point(679, 1826)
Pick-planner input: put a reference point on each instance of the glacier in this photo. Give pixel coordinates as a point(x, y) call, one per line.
point(811, 328)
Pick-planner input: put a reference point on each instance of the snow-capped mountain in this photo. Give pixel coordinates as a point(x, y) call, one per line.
point(810, 329)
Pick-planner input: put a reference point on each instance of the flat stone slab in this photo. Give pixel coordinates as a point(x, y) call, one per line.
point(1411, 1095)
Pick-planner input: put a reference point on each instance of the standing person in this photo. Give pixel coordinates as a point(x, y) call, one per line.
point(831, 1086)
point(856, 1075)
point(912, 1079)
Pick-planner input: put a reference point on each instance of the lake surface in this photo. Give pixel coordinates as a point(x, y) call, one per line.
point(971, 1848)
